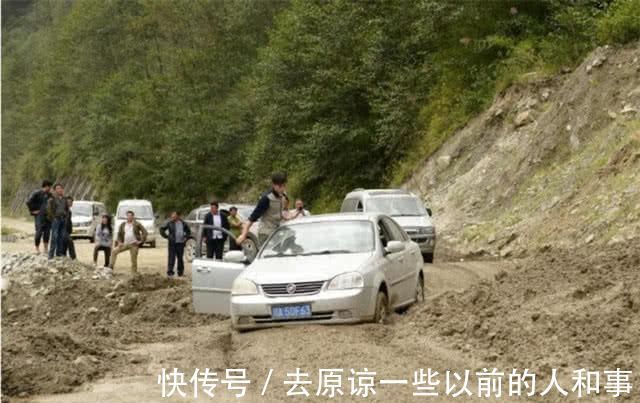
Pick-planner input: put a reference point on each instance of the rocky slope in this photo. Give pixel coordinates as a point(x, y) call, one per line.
point(552, 163)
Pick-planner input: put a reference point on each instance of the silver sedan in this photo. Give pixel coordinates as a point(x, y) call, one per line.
point(339, 268)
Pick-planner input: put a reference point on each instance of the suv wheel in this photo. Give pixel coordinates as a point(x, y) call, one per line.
point(427, 257)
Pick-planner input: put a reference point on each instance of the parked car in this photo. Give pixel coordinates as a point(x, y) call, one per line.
point(196, 218)
point(86, 216)
point(325, 269)
point(404, 207)
point(143, 210)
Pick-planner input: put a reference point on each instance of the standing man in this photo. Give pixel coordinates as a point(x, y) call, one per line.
point(68, 230)
point(131, 235)
point(177, 232)
point(236, 228)
point(214, 238)
point(57, 212)
point(269, 210)
point(37, 205)
point(299, 211)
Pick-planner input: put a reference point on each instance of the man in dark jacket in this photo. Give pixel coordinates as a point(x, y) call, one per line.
point(69, 246)
point(37, 205)
point(177, 232)
point(215, 239)
point(57, 213)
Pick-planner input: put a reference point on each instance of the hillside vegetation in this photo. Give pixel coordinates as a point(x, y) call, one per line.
point(180, 100)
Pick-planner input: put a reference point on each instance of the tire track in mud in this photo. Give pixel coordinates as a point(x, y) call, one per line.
point(394, 350)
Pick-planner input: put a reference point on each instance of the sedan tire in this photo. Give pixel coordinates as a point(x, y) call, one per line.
point(420, 290)
point(427, 257)
point(382, 308)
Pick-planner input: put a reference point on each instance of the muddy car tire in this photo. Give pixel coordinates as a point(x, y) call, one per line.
point(152, 244)
point(382, 308)
point(420, 290)
point(427, 257)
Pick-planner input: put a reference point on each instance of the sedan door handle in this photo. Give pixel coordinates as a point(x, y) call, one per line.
point(203, 270)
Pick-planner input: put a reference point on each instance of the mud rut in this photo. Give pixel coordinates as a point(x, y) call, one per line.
point(393, 351)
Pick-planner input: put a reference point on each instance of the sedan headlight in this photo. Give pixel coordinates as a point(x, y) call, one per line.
point(243, 286)
point(346, 281)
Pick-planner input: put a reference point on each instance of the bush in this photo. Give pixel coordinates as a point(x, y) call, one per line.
point(621, 23)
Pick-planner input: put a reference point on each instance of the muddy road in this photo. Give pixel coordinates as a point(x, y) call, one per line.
point(74, 342)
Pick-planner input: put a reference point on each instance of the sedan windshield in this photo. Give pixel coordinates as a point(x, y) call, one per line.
point(140, 212)
point(319, 238)
point(396, 206)
point(81, 209)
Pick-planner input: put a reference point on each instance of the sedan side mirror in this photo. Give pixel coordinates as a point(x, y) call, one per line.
point(394, 247)
point(429, 211)
point(235, 256)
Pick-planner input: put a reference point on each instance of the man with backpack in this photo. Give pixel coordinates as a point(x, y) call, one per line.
point(37, 205)
point(269, 210)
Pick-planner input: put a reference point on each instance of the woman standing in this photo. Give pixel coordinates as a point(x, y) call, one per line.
point(104, 240)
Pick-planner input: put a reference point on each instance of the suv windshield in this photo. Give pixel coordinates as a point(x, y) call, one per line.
point(396, 206)
point(141, 212)
point(82, 209)
point(311, 239)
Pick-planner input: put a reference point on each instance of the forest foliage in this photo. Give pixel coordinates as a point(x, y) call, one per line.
point(177, 101)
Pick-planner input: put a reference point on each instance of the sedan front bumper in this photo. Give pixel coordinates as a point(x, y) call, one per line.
point(327, 307)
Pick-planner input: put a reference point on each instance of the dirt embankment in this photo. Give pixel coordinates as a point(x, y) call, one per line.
point(65, 323)
point(552, 162)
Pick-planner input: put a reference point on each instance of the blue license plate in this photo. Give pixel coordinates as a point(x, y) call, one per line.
point(291, 311)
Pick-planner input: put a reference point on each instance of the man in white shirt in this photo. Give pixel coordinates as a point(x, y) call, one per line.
point(299, 211)
point(131, 235)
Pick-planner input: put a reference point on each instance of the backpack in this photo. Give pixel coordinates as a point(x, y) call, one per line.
point(34, 202)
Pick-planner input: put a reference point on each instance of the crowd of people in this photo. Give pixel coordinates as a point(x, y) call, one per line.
point(52, 212)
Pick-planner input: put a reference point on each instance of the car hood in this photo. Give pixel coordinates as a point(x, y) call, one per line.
point(303, 268)
point(413, 221)
point(80, 218)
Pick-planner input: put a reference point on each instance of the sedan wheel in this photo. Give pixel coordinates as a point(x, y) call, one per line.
point(420, 291)
point(382, 308)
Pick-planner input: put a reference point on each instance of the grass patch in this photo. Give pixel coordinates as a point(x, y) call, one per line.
point(8, 230)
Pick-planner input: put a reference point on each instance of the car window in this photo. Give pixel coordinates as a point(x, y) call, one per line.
point(202, 214)
point(140, 211)
point(396, 206)
point(310, 239)
point(397, 233)
point(383, 233)
point(359, 207)
point(191, 216)
point(392, 231)
point(349, 205)
point(83, 209)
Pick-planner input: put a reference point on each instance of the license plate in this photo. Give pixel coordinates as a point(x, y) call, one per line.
point(291, 311)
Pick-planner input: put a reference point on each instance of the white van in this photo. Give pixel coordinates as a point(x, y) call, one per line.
point(143, 210)
point(86, 215)
point(404, 207)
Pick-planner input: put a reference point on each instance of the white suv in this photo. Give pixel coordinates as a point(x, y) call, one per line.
point(143, 211)
point(404, 207)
